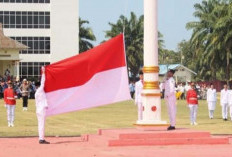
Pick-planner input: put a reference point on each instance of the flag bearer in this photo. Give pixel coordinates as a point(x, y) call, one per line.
point(41, 106)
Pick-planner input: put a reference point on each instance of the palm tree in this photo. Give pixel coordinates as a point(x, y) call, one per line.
point(133, 34)
point(203, 38)
point(223, 29)
point(86, 36)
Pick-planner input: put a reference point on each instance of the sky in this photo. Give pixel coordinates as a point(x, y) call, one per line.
point(172, 17)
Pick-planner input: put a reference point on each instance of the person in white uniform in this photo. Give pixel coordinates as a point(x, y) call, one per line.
point(41, 106)
point(225, 102)
point(170, 98)
point(230, 103)
point(211, 100)
point(138, 95)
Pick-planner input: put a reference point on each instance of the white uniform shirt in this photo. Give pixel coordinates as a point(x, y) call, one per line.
point(169, 86)
point(211, 95)
point(138, 92)
point(187, 87)
point(161, 87)
point(224, 96)
point(230, 98)
point(181, 88)
point(40, 97)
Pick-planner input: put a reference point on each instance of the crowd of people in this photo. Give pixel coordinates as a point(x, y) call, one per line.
point(17, 86)
point(182, 88)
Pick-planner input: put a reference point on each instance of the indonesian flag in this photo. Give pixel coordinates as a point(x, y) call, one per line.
point(94, 78)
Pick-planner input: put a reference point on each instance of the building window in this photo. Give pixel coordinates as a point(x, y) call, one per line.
point(24, 1)
point(24, 19)
point(37, 45)
point(31, 70)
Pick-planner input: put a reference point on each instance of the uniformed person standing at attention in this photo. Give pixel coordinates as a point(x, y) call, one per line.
point(225, 102)
point(211, 100)
point(170, 98)
point(138, 95)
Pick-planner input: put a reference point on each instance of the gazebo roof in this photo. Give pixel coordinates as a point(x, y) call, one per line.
point(8, 43)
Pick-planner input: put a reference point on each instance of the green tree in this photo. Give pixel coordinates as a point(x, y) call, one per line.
point(86, 36)
point(208, 40)
point(133, 29)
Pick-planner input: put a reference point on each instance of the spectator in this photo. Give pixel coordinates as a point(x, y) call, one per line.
point(25, 92)
point(132, 89)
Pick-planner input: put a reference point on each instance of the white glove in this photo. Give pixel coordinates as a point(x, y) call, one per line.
point(5, 106)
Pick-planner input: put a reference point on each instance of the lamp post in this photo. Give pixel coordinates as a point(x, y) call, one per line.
point(151, 93)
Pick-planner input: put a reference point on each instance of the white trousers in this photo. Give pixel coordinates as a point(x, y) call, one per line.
point(140, 111)
point(193, 112)
point(211, 108)
point(10, 113)
point(211, 113)
point(171, 105)
point(41, 123)
point(224, 111)
point(211, 105)
point(231, 113)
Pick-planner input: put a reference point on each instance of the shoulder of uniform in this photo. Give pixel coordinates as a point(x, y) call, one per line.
point(172, 79)
point(136, 83)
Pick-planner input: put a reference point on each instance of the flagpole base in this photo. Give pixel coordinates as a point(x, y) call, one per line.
point(152, 123)
point(151, 126)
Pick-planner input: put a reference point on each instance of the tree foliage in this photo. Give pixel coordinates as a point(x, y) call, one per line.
point(86, 36)
point(210, 43)
point(133, 29)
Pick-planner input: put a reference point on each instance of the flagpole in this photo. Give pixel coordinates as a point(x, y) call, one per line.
point(151, 97)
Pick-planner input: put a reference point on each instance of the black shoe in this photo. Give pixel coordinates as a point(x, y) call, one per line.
point(171, 128)
point(225, 119)
point(43, 142)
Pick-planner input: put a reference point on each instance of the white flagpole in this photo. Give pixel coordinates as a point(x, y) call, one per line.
point(151, 93)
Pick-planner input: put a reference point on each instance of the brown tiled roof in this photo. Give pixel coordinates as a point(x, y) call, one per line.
point(8, 43)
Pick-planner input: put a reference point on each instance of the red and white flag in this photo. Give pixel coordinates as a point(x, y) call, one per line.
point(94, 78)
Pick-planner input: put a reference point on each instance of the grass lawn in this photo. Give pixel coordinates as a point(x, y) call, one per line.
point(119, 115)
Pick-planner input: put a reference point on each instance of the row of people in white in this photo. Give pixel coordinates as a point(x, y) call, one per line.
point(225, 101)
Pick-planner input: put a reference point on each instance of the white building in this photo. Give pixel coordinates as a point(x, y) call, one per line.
point(50, 29)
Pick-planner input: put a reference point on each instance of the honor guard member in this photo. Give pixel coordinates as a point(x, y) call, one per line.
point(192, 103)
point(225, 102)
point(211, 100)
point(230, 103)
point(138, 95)
point(41, 106)
point(10, 102)
point(170, 98)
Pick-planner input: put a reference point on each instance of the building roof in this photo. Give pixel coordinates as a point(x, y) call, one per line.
point(8, 43)
point(164, 68)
